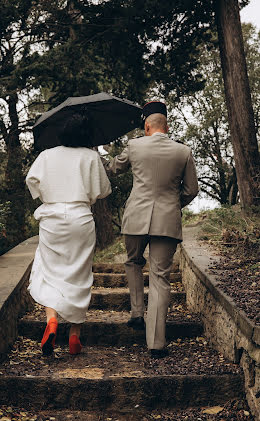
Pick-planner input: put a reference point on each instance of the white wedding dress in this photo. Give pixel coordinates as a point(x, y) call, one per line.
point(61, 276)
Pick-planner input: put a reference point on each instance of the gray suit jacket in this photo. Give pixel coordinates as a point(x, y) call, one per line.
point(164, 181)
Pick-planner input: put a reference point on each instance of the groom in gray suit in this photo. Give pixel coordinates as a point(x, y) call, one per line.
point(164, 181)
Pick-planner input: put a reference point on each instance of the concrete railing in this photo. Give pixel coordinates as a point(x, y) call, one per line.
point(226, 327)
point(15, 268)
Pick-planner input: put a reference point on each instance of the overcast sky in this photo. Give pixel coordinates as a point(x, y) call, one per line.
point(251, 13)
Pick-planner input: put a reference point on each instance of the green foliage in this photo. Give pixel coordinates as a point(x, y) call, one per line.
point(200, 120)
point(189, 217)
point(121, 186)
point(228, 227)
point(32, 226)
point(252, 51)
point(54, 49)
point(4, 212)
point(110, 46)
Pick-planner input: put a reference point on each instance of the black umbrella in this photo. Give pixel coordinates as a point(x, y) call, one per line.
point(110, 118)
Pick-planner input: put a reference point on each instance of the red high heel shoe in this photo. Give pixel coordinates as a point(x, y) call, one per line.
point(49, 336)
point(75, 345)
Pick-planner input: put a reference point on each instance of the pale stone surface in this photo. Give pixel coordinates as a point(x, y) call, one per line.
point(15, 267)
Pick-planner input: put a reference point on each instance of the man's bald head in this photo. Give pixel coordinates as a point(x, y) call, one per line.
point(155, 123)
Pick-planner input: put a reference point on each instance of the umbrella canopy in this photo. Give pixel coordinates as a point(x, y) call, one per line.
point(110, 117)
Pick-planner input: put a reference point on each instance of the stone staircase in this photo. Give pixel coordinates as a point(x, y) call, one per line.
point(114, 377)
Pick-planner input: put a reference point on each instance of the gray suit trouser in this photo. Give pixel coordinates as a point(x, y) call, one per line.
point(161, 251)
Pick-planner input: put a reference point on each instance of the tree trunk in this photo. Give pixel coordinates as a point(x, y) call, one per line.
point(14, 179)
point(233, 192)
point(238, 100)
point(75, 18)
point(103, 220)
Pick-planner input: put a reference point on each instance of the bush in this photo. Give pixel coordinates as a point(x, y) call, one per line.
point(227, 227)
point(4, 212)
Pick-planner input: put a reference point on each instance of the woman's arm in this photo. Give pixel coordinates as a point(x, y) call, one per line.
point(34, 176)
point(104, 183)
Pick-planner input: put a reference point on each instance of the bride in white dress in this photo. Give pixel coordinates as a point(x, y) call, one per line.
point(68, 179)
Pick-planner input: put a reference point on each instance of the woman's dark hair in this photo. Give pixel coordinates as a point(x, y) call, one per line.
point(76, 131)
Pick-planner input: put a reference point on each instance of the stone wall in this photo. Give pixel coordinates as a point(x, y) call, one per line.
point(15, 268)
point(226, 327)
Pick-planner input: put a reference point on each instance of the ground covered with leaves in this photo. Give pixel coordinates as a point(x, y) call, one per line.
point(236, 410)
point(177, 313)
point(186, 356)
point(237, 239)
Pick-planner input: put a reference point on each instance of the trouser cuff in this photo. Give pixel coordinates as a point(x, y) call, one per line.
point(137, 314)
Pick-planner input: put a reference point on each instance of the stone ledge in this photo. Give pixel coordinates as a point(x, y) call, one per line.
point(109, 333)
point(227, 328)
point(93, 392)
point(15, 268)
point(200, 259)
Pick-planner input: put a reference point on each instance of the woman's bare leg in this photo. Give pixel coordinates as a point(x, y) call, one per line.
point(50, 312)
point(75, 330)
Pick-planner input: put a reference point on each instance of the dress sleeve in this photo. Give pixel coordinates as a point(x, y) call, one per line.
point(34, 176)
point(100, 185)
point(189, 188)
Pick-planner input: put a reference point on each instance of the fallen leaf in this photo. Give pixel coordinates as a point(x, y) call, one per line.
point(213, 410)
point(85, 373)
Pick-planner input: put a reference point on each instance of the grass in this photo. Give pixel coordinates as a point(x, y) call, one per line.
point(109, 253)
point(227, 228)
point(228, 218)
point(188, 217)
point(224, 228)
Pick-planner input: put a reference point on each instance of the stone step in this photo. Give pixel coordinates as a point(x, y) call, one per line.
point(232, 410)
point(117, 280)
point(120, 267)
point(119, 299)
point(119, 378)
point(110, 328)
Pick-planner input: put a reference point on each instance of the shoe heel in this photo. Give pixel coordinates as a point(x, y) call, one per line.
point(74, 345)
point(49, 336)
point(48, 346)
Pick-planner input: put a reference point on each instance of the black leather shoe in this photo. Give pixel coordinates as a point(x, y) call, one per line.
point(136, 323)
point(159, 353)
